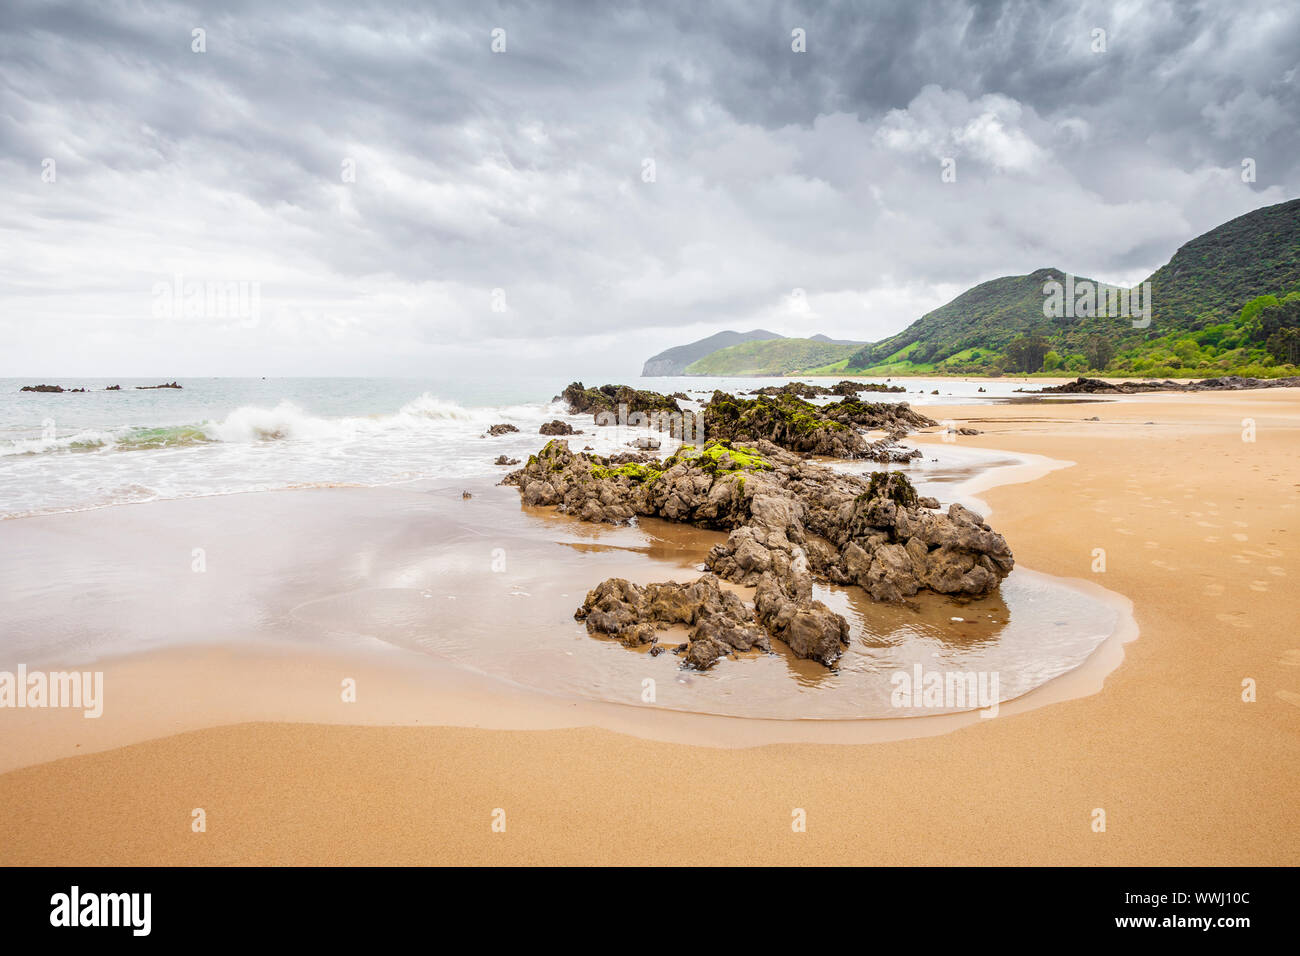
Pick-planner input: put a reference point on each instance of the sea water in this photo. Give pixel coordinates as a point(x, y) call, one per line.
point(73, 451)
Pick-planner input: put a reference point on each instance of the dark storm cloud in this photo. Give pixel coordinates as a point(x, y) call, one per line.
point(522, 171)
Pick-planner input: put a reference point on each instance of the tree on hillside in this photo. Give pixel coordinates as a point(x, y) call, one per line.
point(1276, 318)
point(1099, 351)
point(1284, 345)
point(1025, 353)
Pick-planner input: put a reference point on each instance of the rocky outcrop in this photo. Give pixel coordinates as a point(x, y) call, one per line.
point(503, 460)
point(557, 427)
point(783, 420)
point(829, 430)
point(887, 451)
point(610, 398)
point(844, 387)
point(41, 388)
point(502, 429)
point(145, 388)
point(897, 418)
point(719, 621)
point(790, 521)
point(1227, 383)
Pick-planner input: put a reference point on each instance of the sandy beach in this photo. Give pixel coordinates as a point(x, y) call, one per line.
point(1198, 529)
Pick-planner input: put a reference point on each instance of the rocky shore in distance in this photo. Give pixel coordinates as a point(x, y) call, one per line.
point(1228, 383)
point(842, 388)
point(110, 388)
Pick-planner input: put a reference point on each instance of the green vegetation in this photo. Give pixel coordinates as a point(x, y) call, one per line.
point(967, 335)
point(727, 417)
point(633, 471)
point(1205, 317)
point(1222, 305)
point(743, 458)
point(771, 357)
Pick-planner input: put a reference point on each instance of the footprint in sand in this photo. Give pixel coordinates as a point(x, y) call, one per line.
point(1151, 545)
point(1164, 565)
point(1123, 531)
point(1290, 698)
point(1209, 524)
point(1212, 539)
point(1214, 590)
point(1240, 524)
point(1276, 571)
point(1241, 559)
point(1291, 658)
point(1238, 536)
point(1259, 585)
point(1235, 618)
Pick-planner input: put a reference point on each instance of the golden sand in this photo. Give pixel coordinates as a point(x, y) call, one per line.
point(1198, 530)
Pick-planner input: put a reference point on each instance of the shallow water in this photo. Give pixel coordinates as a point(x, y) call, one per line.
point(377, 547)
point(484, 583)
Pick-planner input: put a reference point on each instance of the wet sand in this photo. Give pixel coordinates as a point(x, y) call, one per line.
point(1198, 530)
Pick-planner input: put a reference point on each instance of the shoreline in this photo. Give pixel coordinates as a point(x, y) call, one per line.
point(1198, 536)
point(224, 664)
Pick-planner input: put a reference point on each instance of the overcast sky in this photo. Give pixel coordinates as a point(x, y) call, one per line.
point(796, 191)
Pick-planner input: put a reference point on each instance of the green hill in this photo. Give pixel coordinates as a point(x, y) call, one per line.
point(673, 361)
point(1226, 303)
point(1197, 322)
point(1212, 277)
point(979, 323)
point(772, 357)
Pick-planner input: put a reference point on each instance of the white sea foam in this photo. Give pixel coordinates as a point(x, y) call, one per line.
point(257, 447)
point(284, 421)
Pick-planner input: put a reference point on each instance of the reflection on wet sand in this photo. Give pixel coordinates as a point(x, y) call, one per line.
point(491, 587)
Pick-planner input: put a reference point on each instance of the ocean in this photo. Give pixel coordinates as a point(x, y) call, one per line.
point(215, 436)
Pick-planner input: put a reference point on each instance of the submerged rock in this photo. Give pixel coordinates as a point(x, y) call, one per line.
point(557, 427)
point(503, 460)
point(720, 621)
point(502, 429)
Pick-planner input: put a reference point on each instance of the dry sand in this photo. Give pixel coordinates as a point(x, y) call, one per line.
point(1198, 529)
